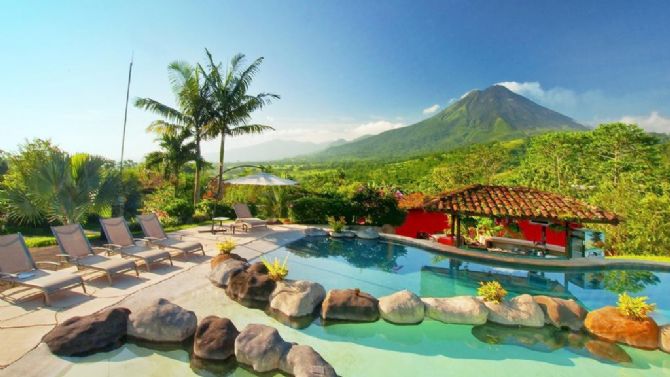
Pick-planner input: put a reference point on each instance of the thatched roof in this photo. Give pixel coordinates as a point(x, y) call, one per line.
point(519, 202)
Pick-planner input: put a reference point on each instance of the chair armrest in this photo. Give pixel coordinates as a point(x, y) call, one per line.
point(144, 241)
point(112, 246)
point(147, 239)
point(97, 250)
point(45, 263)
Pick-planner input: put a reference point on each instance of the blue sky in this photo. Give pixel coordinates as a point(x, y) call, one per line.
point(343, 68)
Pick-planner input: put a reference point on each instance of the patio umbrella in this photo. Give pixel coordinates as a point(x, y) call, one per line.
point(261, 179)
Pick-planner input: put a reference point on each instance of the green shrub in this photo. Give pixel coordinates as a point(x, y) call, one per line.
point(377, 206)
point(276, 270)
point(634, 307)
point(226, 246)
point(207, 207)
point(180, 209)
point(337, 223)
point(491, 291)
point(315, 210)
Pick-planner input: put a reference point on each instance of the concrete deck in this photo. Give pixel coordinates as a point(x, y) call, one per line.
point(24, 320)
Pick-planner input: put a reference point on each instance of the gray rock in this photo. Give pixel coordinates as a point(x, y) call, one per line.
point(367, 234)
point(162, 321)
point(215, 338)
point(303, 361)
point(401, 307)
point(220, 275)
point(664, 338)
point(261, 347)
point(521, 310)
point(315, 232)
point(297, 298)
point(80, 336)
point(459, 309)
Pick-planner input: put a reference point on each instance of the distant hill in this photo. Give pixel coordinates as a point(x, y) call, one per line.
point(273, 150)
point(480, 116)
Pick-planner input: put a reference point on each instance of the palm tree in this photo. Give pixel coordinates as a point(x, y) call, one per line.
point(193, 102)
point(63, 188)
point(176, 152)
point(231, 106)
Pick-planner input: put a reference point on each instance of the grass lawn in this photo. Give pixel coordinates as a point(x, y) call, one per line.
point(653, 258)
point(40, 239)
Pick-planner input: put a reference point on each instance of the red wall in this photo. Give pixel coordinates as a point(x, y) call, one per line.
point(418, 220)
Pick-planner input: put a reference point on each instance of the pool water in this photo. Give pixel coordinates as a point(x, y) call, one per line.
point(431, 348)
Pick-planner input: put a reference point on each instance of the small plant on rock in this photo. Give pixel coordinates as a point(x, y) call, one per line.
point(491, 291)
point(276, 271)
point(634, 307)
point(337, 223)
point(226, 246)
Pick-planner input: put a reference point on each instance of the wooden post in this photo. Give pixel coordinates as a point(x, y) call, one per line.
point(568, 247)
point(452, 220)
point(458, 230)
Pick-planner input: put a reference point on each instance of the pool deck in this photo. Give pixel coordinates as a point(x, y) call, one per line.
point(24, 320)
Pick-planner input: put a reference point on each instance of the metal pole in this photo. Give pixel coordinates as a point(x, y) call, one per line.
point(123, 138)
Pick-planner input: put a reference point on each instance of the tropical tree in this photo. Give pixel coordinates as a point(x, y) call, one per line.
point(192, 114)
point(61, 187)
point(175, 152)
point(231, 105)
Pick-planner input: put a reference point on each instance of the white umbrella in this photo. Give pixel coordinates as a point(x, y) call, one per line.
point(261, 179)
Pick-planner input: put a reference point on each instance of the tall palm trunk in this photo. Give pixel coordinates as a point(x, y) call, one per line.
point(198, 168)
point(222, 148)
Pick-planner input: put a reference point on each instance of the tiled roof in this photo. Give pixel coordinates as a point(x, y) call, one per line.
point(519, 202)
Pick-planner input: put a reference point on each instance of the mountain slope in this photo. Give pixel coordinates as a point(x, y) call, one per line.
point(273, 150)
point(479, 117)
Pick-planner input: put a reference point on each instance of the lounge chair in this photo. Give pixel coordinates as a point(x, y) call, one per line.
point(246, 219)
point(153, 231)
point(18, 268)
point(76, 249)
point(121, 241)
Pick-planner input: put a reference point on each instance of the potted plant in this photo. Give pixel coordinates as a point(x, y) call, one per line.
point(337, 225)
point(635, 308)
point(225, 249)
point(276, 271)
point(491, 291)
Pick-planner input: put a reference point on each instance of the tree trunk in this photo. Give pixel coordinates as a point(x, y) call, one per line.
point(198, 167)
point(219, 189)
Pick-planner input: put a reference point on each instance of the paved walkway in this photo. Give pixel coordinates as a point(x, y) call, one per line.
point(24, 320)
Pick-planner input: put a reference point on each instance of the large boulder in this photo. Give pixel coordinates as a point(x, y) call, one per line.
point(609, 324)
point(521, 311)
point(664, 338)
point(367, 234)
point(315, 232)
point(349, 305)
point(261, 347)
point(215, 338)
point(459, 309)
point(221, 274)
point(562, 313)
point(297, 298)
point(80, 336)
point(162, 321)
point(303, 361)
point(218, 259)
point(401, 307)
point(251, 285)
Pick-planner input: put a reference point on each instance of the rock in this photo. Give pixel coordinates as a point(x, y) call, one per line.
point(297, 298)
point(80, 336)
point(218, 259)
point(401, 307)
point(459, 309)
point(388, 229)
point(215, 338)
point(162, 321)
point(221, 274)
point(562, 313)
point(521, 310)
point(303, 361)
point(251, 285)
point(261, 347)
point(315, 232)
point(343, 234)
point(367, 234)
point(541, 339)
point(349, 305)
point(664, 338)
point(608, 324)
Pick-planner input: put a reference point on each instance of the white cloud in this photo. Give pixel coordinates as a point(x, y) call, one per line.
point(556, 97)
point(432, 109)
point(373, 128)
point(654, 122)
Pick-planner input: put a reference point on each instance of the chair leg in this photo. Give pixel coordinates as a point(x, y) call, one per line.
point(109, 278)
point(47, 300)
point(83, 286)
point(137, 271)
point(146, 263)
point(170, 258)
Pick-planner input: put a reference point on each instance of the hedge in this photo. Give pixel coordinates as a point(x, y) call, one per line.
point(315, 210)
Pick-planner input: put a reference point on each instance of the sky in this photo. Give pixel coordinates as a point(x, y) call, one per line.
point(343, 68)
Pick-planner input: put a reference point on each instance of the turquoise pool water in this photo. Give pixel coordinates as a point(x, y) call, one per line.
point(430, 348)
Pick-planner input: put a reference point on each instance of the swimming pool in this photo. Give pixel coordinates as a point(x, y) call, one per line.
point(430, 348)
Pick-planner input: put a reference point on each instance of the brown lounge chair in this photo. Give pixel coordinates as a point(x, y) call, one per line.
point(246, 219)
point(76, 249)
point(121, 241)
point(153, 231)
point(18, 267)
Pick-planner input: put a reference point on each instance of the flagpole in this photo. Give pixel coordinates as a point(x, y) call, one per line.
point(121, 199)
